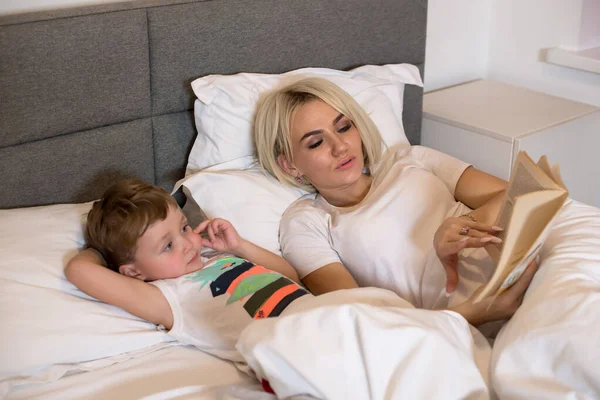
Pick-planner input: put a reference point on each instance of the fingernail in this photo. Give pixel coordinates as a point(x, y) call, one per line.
point(492, 239)
point(447, 294)
point(537, 259)
point(497, 228)
point(464, 239)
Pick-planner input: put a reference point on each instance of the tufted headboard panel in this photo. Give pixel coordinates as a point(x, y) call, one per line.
point(93, 94)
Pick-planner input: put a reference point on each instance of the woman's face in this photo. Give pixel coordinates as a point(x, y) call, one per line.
point(326, 147)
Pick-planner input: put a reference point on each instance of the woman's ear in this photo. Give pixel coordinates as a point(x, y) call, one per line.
point(286, 165)
point(131, 271)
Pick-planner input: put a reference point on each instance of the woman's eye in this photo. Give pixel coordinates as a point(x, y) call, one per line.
point(345, 128)
point(185, 228)
point(315, 144)
point(169, 246)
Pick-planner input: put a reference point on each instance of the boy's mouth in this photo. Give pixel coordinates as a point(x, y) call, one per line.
point(194, 258)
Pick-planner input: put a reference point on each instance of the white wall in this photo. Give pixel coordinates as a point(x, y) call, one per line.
point(457, 41)
point(17, 6)
point(589, 35)
point(520, 29)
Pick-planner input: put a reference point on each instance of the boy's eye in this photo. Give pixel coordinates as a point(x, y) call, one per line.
point(169, 246)
point(315, 144)
point(185, 228)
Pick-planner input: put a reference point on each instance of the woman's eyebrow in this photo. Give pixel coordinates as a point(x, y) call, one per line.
point(317, 131)
point(311, 133)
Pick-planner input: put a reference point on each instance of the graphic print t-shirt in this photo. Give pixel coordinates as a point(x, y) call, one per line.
point(213, 305)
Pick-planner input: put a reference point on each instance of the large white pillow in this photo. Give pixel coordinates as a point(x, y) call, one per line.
point(246, 195)
point(225, 105)
point(48, 325)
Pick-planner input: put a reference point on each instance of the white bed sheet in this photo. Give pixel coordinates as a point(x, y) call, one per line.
point(176, 372)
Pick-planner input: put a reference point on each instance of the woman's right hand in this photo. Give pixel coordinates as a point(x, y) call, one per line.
point(497, 308)
point(455, 234)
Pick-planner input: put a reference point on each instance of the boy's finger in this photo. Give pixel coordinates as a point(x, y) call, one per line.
point(202, 226)
point(211, 233)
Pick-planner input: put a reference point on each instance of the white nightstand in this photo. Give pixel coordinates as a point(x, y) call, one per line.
point(486, 123)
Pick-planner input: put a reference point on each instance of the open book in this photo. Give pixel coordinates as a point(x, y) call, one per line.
point(535, 194)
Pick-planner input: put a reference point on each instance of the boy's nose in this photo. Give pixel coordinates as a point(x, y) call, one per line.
point(187, 244)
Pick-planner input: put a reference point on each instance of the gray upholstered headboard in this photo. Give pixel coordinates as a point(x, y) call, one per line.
point(90, 95)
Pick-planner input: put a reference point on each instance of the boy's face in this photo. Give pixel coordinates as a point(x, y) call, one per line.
point(168, 249)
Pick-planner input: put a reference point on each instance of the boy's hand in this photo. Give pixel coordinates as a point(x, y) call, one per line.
point(222, 236)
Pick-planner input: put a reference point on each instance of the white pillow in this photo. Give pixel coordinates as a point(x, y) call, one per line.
point(225, 105)
point(246, 195)
point(46, 320)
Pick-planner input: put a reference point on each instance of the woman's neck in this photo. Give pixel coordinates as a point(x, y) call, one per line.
point(348, 196)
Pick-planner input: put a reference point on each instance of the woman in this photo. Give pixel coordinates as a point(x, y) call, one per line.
point(372, 222)
point(389, 222)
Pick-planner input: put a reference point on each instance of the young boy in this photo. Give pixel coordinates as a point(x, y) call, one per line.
point(156, 270)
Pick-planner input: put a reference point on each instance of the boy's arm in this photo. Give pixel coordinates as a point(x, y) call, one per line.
point(222, 236)
point(267, 259)
point(87, 271)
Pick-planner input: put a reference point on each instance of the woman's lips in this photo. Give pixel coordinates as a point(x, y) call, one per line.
point(347, 163)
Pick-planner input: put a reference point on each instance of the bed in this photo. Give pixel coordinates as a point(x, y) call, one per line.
point(142, 89)
point(94, 94)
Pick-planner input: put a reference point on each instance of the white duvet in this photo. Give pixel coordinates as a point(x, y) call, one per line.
point(368, 344)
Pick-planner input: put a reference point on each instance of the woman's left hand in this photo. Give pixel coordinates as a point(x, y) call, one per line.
point(501, 307)
point(455, 234)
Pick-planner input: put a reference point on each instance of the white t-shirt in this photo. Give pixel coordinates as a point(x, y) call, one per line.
point(212, 306)
point(386, 240)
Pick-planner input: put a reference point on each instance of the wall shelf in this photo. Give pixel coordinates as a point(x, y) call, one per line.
point(585, 60)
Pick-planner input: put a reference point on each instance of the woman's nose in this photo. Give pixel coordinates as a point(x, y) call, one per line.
point(339, 145)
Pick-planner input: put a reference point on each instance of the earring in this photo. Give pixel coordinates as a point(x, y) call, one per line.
point(299, 179)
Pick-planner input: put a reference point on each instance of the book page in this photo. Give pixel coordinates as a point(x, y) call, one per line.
point(552, 172)
point(531, 216)
point(531, 201)
point(535, 227)
point(526, 177)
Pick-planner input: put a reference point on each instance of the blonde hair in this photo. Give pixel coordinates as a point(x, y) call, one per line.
point(274, 113)
point(122, 215)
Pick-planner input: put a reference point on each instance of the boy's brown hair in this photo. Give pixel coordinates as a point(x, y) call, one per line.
point(122, 215)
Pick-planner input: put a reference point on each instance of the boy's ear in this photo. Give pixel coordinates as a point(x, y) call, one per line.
point(286, 165)
point(131, 271)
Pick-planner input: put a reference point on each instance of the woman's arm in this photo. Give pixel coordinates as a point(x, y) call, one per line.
point(87, 271)
point(329, 278)
point(481, 192)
